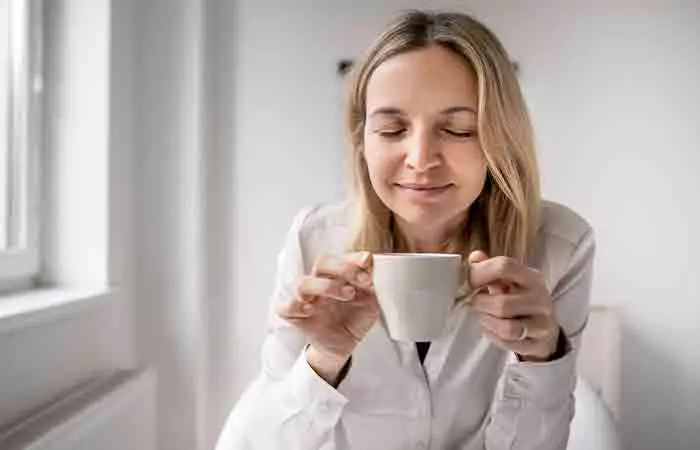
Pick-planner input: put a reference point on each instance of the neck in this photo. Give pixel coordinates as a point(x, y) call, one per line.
point(417, 238)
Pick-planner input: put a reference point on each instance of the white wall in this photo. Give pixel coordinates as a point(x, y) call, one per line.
point(183, 228)
point(613, 91)
point(166, 109)
point(218, 209)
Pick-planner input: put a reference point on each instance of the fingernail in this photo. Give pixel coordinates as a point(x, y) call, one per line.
point(306, 308)
point(364, 278)
point(364, 258)
point(348, 292)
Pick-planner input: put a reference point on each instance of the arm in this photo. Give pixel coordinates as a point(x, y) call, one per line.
point(534, 404)
point(288, 405)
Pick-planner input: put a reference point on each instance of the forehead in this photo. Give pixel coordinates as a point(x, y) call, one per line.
point(422, 81)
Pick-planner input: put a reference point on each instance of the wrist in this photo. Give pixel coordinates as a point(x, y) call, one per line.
point(562, 346)
point(327, 366)
point(558, 349)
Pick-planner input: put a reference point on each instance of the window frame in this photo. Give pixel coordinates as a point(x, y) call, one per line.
point(19, 267)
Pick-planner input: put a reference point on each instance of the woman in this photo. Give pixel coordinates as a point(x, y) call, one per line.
point(442, 161)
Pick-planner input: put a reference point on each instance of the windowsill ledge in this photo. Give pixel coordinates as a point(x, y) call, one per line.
point(29, 308)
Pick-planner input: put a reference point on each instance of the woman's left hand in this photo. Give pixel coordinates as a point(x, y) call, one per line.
point(516, 310)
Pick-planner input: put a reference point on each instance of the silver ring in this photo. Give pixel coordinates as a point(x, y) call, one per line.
point(524, 333)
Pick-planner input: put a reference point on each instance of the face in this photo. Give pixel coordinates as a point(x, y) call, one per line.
point(420, 139)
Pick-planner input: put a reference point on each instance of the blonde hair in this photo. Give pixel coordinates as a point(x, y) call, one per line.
point(504, 218)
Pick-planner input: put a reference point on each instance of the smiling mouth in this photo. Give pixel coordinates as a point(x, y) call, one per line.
point(424, 187)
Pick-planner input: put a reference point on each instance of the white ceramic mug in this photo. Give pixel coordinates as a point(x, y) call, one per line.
point(416, 292)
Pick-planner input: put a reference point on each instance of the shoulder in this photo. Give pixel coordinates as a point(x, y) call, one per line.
point(322, 228)
point(564, 241)
point(323, 217)
point(559, 222)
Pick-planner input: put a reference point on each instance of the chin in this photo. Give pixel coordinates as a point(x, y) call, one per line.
point(423, 214)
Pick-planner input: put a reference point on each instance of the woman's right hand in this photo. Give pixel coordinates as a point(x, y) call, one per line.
point(335, 308)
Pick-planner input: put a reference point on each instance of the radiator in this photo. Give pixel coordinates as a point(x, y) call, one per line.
point(112, 413)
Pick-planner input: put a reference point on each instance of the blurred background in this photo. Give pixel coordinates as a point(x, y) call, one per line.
point(179, 138)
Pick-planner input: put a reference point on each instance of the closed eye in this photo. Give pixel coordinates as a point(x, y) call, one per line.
point(460, 134)
point(391, 133)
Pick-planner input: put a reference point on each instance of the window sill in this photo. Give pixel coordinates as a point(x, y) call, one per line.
point(29, 308)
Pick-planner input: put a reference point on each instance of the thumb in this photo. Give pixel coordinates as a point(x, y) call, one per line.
point(477, 256)
point(362, 258)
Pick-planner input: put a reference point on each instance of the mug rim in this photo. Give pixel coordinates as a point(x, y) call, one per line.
point(417, 255)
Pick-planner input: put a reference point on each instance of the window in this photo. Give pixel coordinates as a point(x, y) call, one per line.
point(20, 138)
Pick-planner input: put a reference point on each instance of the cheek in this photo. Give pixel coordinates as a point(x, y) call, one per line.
point(381, 167)
point(473, 174)
point(470, 165)
point(470, 169)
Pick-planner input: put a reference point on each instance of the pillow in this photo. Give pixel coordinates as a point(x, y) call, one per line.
point(593, 427)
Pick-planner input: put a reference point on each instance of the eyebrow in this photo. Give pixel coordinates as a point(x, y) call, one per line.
point(392, 111)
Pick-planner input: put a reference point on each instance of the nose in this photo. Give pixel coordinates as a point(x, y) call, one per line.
point(422, 153)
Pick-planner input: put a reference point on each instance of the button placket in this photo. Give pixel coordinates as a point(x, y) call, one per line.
point(426, 413)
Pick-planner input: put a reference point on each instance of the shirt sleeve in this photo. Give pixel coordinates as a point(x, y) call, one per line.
point(288, 405)
point(534, 403)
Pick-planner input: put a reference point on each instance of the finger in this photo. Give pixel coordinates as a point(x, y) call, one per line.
point(497, 287)
point(540, 349)
point(508, 306)
point(526, 347)
point(511, 330)
point(502, 269)
point(361, 259)
point(337, 289)
point(467, 292)
point(493, 288)
point(351, 267)
point(507, 330)
point(295, 310)
point(477, 256)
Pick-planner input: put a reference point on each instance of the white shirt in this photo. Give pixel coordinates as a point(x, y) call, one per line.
point(467, 395)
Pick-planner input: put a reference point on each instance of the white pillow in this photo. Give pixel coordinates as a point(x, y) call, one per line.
point(593, 427)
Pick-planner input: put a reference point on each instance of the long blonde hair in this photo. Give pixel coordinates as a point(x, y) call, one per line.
point(504, 218)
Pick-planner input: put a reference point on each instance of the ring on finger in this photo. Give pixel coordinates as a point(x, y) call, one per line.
point(524, 333)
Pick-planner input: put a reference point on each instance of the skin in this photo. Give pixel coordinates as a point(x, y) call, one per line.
point(421, 146)
point(427, 166)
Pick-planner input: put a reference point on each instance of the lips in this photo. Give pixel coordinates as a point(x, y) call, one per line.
point(424, 187)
